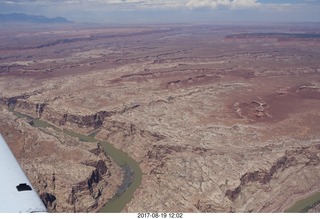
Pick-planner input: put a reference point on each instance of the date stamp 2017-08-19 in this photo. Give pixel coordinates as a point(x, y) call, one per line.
point(160, 215)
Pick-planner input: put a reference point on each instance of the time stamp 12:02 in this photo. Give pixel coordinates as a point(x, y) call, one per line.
point(160, 215)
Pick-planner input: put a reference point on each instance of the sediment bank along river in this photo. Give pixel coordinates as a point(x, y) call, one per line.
point(303, 205)
point(132, 172)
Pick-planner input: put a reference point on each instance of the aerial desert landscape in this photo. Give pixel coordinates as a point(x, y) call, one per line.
point(219, 118)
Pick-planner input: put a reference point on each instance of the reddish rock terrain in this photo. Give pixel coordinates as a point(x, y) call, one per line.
point(70, 176)
point(219, 123)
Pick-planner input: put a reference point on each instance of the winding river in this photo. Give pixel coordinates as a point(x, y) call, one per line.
point(132, 172)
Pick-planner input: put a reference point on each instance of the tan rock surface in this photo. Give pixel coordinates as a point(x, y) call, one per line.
point(69, 176)
point(218, 124)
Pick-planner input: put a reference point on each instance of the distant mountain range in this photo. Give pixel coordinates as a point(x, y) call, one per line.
point(20, 17)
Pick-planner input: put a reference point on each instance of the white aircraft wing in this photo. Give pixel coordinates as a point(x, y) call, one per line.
point(16, 191)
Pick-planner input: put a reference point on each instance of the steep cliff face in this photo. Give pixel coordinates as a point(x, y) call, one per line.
point(36, 110)
point(93, 186)
point(22, 104)
point(82, 123)
point(49, 200)
point(12, 101)
point(306, 158)
point(85, 123)
point(261, 176)
point(315, 209)
point(69, 176)
point(216, 124)
point(88, 121)
point(30, 108)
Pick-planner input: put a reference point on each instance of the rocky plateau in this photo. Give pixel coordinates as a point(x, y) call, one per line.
point(219, 121)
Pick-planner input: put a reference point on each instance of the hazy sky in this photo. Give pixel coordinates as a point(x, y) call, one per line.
point(164, 11)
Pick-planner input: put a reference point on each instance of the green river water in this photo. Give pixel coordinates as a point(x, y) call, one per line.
point(133, 173)
point(303, 205)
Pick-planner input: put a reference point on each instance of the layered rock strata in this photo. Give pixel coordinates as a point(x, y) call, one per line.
point(69, 175)
point(217, 124)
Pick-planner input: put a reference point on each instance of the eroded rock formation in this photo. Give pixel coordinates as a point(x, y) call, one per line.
point(70, 176)
point(218, 124)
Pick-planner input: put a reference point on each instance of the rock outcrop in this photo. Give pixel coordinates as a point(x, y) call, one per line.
point(69, 176)
point(218, 124)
